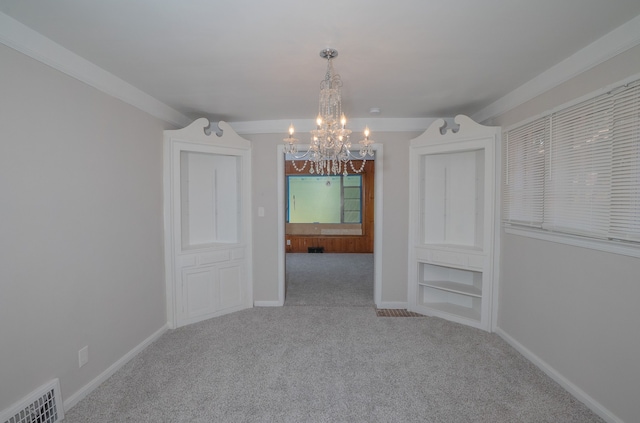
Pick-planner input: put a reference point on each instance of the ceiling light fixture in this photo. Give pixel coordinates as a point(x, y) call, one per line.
point(330, 149)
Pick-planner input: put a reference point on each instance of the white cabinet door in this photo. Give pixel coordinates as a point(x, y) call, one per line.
point(207, 223)
point(209, 291)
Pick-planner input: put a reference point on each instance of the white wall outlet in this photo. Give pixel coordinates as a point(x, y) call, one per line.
point(83, 356)
point(288, 242)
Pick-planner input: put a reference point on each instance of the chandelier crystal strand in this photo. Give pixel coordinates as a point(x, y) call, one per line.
point(330, 149)
point(303, 166)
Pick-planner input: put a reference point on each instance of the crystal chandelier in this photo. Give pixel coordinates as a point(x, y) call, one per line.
point(330, 150)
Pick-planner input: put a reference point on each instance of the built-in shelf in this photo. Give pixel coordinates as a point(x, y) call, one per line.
point(458, 288)
point(452, 222)
point(455, 310)
point(449, 289)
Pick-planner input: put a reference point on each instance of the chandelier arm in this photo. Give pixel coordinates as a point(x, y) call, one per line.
point(360, 156)
point(304, 156)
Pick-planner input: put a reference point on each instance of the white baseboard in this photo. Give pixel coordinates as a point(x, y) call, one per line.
point(268, 304)
point(574, 390)
point(391, 304)
point(89, 387)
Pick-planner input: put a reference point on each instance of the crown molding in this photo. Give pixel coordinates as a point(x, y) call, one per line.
point(19, 37)
point(615, 42)
point(356, 124)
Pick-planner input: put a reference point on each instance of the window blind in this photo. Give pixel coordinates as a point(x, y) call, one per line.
point(578, 177)
point(523, 192)
point(625, 178)
point(577, 170)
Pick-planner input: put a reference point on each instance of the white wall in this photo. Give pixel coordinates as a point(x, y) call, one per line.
point(395, 214)
point(573, 308)
point(81, 259)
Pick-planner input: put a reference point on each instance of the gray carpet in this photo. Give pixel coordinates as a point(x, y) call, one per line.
point(329, 279)
point(329, 363)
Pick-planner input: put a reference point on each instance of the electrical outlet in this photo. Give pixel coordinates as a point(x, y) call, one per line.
point(83, 356)
point(288, 242)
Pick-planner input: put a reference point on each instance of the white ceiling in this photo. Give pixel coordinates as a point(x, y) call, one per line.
point(252, 60)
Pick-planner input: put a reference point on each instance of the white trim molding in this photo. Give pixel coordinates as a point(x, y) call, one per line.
point(615, 42)
point(614, 247)
point(281, 178)
point(268, 303)
point(356, 124)
point(573, 389)
point(102, 377)
point(20, 37)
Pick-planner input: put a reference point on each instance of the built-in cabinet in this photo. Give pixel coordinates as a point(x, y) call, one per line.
point(453, 218)
point(207, 187)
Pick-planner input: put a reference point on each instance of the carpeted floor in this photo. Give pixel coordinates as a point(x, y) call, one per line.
point(329, 363)
point(329, 279)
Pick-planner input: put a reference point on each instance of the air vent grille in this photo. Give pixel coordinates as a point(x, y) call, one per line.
point(42, 406)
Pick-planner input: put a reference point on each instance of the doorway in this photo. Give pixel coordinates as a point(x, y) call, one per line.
point(377, 223)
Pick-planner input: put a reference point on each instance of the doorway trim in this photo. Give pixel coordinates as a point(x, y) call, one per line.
point(377, 224)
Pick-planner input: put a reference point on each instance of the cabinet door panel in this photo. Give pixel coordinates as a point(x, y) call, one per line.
point(230, 289)
point(197, 288)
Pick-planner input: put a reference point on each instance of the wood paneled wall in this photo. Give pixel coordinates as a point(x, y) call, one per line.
point(340, 243)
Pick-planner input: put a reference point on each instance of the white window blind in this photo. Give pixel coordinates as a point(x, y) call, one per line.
point(524, 153)
point(578, 177)
point(625, 178)
point(577, 171)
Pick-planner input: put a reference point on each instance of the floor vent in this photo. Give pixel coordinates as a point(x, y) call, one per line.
point(392, 312)
point(42, 406)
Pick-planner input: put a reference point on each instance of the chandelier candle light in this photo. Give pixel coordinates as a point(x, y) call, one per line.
point(330, 149)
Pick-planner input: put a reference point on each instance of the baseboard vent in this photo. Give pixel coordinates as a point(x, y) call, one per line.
point(393, 312)
point(43, 405)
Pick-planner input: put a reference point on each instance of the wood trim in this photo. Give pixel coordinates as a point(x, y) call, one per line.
point(339, 243)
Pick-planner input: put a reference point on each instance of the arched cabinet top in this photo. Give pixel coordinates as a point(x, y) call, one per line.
point(203, 131)
point(466, 128)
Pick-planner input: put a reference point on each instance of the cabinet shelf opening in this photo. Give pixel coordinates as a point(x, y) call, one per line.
point(452, 198)
point(458, 288)
point(471, 313)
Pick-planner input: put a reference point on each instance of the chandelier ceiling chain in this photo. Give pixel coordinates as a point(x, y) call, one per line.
point(330, 149)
